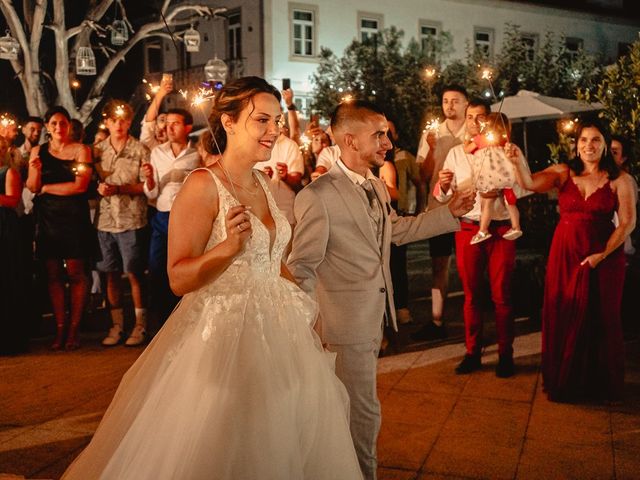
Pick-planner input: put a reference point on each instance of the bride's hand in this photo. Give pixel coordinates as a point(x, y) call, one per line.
point(238, 226)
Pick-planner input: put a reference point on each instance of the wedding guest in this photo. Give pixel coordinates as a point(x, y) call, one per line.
point(121, 220)
point(582, 343)
point(432, 152)
point(13, 292)
point(59, 173)
point(164, 174)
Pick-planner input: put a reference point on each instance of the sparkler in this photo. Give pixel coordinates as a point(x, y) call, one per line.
point(430, 73)
point(305, 142)
point(6, 120)
point(347, 99)
point(432, 126)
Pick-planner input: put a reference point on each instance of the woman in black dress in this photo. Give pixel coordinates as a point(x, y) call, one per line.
point(59, 173)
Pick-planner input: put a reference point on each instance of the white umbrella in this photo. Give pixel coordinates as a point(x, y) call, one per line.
point(527, 105)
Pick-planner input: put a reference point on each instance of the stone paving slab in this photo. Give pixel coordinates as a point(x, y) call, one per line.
point(436, 425)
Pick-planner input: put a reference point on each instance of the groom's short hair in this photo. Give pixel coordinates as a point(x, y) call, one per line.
point(353, 111)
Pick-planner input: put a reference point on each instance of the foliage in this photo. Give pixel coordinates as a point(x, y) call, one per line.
point(382, 71)
point(397, 75)
point(550, 70)
point(619, 92)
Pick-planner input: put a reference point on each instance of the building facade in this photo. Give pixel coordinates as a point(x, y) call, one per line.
point(281, 39)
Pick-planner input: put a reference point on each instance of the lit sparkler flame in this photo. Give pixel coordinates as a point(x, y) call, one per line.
point(430, 72)
point(5, 121)
point(347, 99)
point(432, 125)
point(305, 142)
point(487, 74)
point(119, 111)
point(203, 95)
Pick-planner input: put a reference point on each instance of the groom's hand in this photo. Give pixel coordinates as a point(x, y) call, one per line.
point(462, 202)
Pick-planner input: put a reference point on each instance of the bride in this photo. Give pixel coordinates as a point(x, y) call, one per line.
point(236, 384)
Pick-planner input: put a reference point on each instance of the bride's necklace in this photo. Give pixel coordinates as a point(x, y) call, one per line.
point(235, 184)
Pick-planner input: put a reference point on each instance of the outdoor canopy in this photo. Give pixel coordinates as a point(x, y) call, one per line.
point(527, 105)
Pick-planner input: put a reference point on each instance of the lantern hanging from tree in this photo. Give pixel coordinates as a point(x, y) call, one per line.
point(85, 61)
point(9, 47)
point(215, 72)
point(192, 40)
point(119, 33)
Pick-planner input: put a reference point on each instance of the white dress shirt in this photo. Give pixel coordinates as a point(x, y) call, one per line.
point(169, 172)
point(328, 157)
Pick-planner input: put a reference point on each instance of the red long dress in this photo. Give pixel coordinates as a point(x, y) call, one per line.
point(582, 343)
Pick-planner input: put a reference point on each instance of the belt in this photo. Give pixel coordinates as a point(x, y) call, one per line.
point(494, 223)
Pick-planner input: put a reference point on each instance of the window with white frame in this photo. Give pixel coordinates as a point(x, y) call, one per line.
point(234, 35)
point(483, 41)
point(303, 30)
point(369, 25)
point(530, 44)
point(153, 58)
point(428, 34)
point(573, 46)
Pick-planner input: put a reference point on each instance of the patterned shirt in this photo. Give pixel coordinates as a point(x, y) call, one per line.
point(119, 213)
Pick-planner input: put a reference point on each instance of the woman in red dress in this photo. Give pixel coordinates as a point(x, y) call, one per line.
point(582, 344)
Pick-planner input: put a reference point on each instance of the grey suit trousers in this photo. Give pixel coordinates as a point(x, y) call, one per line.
point(356, 367)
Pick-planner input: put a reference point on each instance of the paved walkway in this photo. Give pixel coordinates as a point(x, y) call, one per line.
point(436, 425)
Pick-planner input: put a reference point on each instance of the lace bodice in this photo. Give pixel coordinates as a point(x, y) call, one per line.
point(259, 256)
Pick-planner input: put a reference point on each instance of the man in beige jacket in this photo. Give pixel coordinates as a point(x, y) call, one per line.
point(345, 226)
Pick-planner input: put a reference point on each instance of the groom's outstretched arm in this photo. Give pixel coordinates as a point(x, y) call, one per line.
point(310, 238)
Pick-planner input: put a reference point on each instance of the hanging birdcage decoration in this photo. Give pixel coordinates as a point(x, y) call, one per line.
point(9, 47)
point(191, 40)
point(215, 70)
point(119, 33)
point(85, 61)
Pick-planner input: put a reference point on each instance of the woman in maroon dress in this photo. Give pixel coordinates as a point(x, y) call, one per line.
point(582, 344)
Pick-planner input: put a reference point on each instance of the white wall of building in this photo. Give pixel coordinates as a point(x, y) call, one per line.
point(337, 25)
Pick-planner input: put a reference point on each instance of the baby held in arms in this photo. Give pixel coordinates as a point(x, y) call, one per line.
point(493, 175)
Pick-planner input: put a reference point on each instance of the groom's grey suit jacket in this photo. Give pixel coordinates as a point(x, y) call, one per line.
point(336, 257)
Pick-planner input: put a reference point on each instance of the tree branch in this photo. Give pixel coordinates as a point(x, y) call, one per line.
point(149, 29)
point(39, 13)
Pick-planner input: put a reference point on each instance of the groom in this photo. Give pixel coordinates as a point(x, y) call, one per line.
point(345, 226)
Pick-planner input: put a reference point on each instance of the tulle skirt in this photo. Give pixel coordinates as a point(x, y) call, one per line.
point(235, 386)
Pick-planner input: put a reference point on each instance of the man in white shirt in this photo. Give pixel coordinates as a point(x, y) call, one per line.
point(496, 255)
point(285, 167)
point(169, 165)
point(432, 151)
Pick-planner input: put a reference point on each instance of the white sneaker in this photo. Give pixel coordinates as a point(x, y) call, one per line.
point(403, 316)
point(137, 337)
point(512, 234)
point(114, 337)
point(480, 237)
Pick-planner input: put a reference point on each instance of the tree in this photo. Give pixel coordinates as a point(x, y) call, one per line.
point(549, 70)
point(45, 20)
point(619, 93)
point(382, 71)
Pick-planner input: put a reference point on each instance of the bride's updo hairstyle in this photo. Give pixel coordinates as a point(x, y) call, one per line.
point(232, 99)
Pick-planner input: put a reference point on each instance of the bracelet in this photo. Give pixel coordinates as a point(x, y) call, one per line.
point(291, 107)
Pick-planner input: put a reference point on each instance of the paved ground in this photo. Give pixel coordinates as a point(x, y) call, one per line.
point(435, 424)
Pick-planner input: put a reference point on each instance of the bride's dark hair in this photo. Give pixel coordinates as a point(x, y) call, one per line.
point(232, 99)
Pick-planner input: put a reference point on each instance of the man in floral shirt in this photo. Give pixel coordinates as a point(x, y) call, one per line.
point(121, 219)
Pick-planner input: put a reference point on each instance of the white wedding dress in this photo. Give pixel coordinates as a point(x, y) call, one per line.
point(236, 385)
